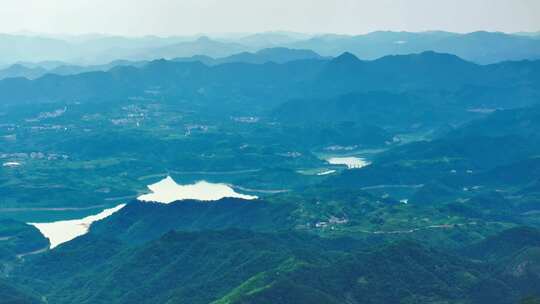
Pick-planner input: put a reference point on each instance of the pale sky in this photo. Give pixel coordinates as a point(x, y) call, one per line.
point(181, 17)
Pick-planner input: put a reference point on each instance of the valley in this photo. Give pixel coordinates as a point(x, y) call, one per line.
point(274, 176)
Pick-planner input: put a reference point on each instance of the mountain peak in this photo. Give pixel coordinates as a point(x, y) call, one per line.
point(346, 56)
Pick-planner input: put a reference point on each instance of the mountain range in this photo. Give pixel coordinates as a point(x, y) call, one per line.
point(390, 167)
point(36, 70)
point(479, 47)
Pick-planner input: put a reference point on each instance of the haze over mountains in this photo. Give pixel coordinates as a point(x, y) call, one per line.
point(479, 47)
point(276, 55)
point(391, 167)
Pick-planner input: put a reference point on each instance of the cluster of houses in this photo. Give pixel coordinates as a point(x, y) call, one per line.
point(332, 221)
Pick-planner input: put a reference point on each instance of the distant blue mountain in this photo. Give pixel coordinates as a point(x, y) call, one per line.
point(311, 78)
point(276, 55)
point(480, 47)
point(19, 70)
point(201, 46)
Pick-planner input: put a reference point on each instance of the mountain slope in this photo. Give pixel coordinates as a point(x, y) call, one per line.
point(180, 266)
point(139, 222)
point(417, 274)
point(10, 294)
point(505, 244)
point(17, 239)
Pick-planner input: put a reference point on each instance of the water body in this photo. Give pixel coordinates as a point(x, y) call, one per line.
point(350, 161)
point(65, 231)
point(327, 172)
point(167, 191)
point(265, 191)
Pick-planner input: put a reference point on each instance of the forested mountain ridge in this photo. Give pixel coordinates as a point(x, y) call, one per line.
point(276, 268)
point(343, 74)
